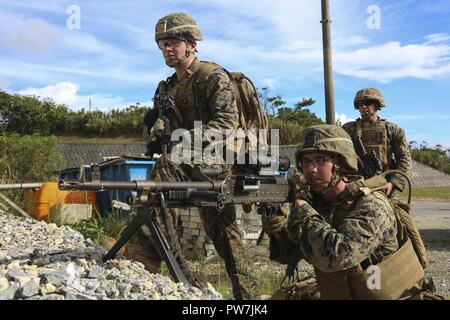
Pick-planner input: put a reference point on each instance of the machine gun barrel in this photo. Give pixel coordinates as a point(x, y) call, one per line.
point(138, 185)
point(16, 186)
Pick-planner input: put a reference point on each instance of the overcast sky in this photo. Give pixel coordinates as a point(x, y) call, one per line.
point(73, 51)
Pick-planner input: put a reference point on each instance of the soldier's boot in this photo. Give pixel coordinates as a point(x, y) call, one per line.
point(136, 252)
point(304, 289)
point(194, 277)
point(109, 242)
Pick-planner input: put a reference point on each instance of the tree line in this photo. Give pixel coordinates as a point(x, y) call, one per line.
point(27, 115)
point(436, 157)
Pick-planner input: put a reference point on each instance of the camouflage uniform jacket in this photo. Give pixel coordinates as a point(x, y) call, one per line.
point(398, 153)
point(213, 103)
point(341, 235)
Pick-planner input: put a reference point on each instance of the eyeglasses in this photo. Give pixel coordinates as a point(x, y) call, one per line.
point(317, 162)
point(365, 103)
point(162, 44)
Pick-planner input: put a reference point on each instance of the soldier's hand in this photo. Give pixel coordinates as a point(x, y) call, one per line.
point(389, 187)
point(275, 224)
point(295, 221)
point(300, 202)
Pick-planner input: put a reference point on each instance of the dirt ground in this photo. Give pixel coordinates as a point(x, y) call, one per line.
point(435, 231)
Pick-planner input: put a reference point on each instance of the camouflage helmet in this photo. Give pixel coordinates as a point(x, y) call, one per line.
point(177, 25)
point(328, 138)
point(369, 94)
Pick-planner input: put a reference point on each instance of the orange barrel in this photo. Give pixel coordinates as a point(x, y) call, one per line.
point(39, 201)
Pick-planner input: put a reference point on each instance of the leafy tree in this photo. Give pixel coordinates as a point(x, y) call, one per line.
point(436, 157)
point(290, 121)
point(28, 158)
point(271, 104)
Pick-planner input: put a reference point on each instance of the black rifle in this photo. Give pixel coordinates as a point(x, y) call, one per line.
point(266, 191)
point(160, 124)
point(370, 161)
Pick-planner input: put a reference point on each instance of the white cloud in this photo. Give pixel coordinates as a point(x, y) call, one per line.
point(350, 41)
point(31, 36)
point(343, 118)
point(383, 63)
point(420, 117)
point(437, 38)
point(48, 5)
point(44, 73)
point(269, 83)
point(81, 43)
point(62, 92)
point(67, 93)
point(392, 60)
point(4, 84)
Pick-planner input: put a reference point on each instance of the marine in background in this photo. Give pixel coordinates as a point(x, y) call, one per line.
point(379, 136)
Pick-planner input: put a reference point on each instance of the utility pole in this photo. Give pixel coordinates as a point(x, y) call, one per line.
point(327, 62)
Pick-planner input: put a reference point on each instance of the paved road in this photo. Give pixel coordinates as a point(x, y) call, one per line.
point(427, 208)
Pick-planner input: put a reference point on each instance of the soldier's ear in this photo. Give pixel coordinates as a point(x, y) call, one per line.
point(191, 46)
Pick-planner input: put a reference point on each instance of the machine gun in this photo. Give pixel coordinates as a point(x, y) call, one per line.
point(371, 164)
point(266, 191)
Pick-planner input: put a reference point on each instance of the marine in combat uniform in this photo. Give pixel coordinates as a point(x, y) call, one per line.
point(385, 138)
point(201, 91)
point(343, 227)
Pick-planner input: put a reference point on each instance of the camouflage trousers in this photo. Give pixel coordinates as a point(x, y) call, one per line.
point(221, 227)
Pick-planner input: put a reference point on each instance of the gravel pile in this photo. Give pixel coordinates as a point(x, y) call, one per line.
point(45, 262)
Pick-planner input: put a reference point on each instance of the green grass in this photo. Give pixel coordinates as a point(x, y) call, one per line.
point(428, 193)
point(100, 140)
point(266, 274)
point(91, 228)
point(98, 228)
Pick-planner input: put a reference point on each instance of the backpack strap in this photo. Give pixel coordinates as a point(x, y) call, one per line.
point(237, 94)
point(366, 186)
point(200, 82)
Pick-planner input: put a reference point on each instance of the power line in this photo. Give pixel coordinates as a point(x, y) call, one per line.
point(406, 16)
point(246, 24)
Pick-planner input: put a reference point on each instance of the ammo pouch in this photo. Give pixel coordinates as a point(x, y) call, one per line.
point(398, 273)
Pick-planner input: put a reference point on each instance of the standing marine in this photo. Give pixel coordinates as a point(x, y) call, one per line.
point(201, 91)
point(385, 138)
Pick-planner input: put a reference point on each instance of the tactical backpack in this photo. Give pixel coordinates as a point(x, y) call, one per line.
point(252, 115)
point(406, 228)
